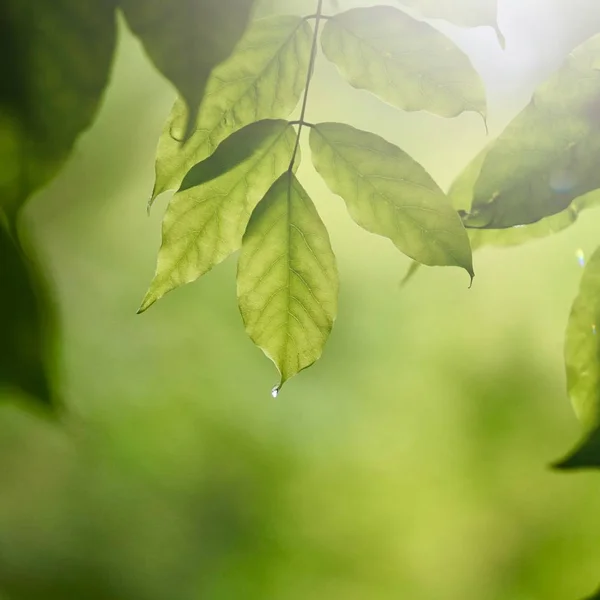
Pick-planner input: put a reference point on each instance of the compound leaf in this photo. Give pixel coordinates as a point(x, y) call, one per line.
point(287, 278)
point(186, 39)
point(546, 157)
point(464, 13)
point(66, 49)
point(406, 62)
point(206, 218)
point(263, 79)
point(390, 194)
point(24, 322)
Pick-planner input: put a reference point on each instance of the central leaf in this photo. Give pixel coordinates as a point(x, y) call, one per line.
point(406, 62)
point(263, 79)
point(390, 194)
point(206, 218)
point(287, 278)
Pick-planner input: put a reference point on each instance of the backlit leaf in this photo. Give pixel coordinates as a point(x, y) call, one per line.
point(24, 322)
point(287, 278)
point(186, 39)
point(206, 218)
point(464, 13)
point(66, 50)
point(406, 62)
point(264, 78)
point(390, 194)
point(547, 156)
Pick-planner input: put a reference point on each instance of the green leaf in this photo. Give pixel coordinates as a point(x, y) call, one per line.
point(464, 13)
point(390, 194)
point(263, 79)
point(25, 322)
point(412, 270)
point(461, 195)
point(287, 279)
point(585, 456)
point(596, 596)
point(186, 39)
point(406, 62)
point(206, 218)
point(547, 156)
point(66, 51)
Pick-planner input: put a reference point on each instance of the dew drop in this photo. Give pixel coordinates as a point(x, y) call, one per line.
point(580, 257)
point(275, 391)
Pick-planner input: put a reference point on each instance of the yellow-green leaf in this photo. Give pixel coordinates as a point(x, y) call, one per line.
point(206, 218)
point(547, 156)
point(263, 79)
point(186, 39)
point(407, 63)
point(390, 194)
point(287, 279)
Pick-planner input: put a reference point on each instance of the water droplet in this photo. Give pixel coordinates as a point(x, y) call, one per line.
point(580, 257)
point(275, 391)
point(594, 328)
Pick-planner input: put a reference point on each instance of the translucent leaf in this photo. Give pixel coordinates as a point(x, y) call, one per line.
point(547, 156)
point(406, 62)
point(186, 39)
point(24, 322)
point(464, 13)
point(287, 278)
point(390, 194)
point(66, 48)
point(206, 218)
point(263, 79)
point(461, 195)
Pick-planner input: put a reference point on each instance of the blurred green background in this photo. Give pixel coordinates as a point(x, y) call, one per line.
point(410, 462)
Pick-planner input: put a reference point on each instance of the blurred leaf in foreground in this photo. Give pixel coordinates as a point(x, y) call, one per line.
point(262, 79)
point(287, 278)
point(406, 62)
point(390, 194)
point(205, 220)
point(186, 39)
point(547, 156)
point(24, 322)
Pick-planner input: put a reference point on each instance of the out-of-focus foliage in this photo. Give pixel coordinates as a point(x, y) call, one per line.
point(406, 62)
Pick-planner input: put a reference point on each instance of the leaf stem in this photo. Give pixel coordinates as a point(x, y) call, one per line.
point(311, 64)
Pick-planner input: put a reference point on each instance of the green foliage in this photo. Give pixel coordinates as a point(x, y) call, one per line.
point(406, 62)
point(206, 218)
point(287, 278)
point(546, 157)
point(390, 194)
point(263, 79)
point(186, 40)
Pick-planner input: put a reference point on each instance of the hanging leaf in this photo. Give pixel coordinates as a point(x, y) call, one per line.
point(461, 195)
point(412, 270)
point(206, 218)
point(186, 39)
point(406, 62)
point(585, 456)
point(390, 194)
point(66, 48)
point(24, 322)
point(263, 79)
point(287, 279)
point(464, 13)
point(547, 156)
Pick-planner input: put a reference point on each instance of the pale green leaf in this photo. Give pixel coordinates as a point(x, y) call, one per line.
point(263, 79)
point(547, 156)
point(390, 194)
point(287, 278)
point(461, 195)
point(407, 63)
point(206, 218)
point(186, 39)
point(464, 13)
point(66, 49)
